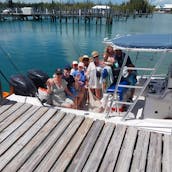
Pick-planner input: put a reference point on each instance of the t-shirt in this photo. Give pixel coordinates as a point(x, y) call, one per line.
point(70, 81)
point(120, 60)
point(82, 75)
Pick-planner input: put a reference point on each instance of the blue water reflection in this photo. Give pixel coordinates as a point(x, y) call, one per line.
point(46, 46)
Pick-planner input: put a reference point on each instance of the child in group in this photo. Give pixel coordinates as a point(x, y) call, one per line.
point(80, 80)
point(74, 67)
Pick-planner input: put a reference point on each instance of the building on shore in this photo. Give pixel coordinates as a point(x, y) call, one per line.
point(166, 8)
point(100, 9)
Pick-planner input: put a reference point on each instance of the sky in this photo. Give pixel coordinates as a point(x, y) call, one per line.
point(154, 2)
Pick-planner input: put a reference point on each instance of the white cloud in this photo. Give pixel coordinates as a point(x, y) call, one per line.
point(161, 2)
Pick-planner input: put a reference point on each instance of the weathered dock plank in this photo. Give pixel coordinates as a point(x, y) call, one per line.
point(7, 131)
point(14, 116)
point(140, 153)
point(4, 105)
point(85, 149)
point(124, 160)
point(64, 160)
point(20, 143)
point(59, 146)
point(13, 137)
point(111, 155)
point(35, 141)
point(47, 139)
point(167, 154)
point(155, 153)
point(46, 145)
point(99, 149)
point(9, 111)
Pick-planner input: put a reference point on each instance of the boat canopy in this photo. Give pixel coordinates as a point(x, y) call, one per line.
point(143, 42)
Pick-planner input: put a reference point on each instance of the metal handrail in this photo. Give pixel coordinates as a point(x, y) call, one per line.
point(145, 85)
point(130, 86)
point(140, 68)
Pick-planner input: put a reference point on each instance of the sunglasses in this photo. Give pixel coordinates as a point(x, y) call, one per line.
point(96, 56)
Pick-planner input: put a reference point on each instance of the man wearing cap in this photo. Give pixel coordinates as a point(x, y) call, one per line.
point(128, 75)
point(74, 67)
point(70, 81)
point(93, 74)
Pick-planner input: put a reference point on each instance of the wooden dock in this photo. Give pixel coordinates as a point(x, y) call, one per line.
point(41, 139)
point(74, 17)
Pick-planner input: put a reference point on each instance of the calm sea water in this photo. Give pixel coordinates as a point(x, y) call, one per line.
point(44, 45)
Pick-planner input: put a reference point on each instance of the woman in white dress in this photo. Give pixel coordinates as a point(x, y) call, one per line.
point(93, 74)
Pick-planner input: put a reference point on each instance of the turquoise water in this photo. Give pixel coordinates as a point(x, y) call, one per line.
point(46, 46)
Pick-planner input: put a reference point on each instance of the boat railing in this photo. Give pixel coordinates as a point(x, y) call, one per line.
point(115, 99)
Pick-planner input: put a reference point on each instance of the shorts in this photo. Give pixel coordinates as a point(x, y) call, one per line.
point(74, 92)
point(67, 102)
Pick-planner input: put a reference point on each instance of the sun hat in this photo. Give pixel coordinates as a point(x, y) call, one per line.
point(81, 64)
point(74, 62)
point(85, 57)
point(95, 54)
point(59, 71)
point(82, 58)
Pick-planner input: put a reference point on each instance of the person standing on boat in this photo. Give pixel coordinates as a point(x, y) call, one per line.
point(93, 74)
point(109, 52)
point(109, 55)
point(107, 75)
point(128, 75)
point(57, 88)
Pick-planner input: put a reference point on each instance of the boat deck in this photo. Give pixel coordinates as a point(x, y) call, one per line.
point(37, 138)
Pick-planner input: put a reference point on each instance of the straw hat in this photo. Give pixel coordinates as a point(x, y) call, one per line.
point(95, 54)
point(83, 57)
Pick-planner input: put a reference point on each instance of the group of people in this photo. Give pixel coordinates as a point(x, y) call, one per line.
point(69, 85)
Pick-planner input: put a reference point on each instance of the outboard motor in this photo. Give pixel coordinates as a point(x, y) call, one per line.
point(22, 85)
point(158, 103)
point(38, 77)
